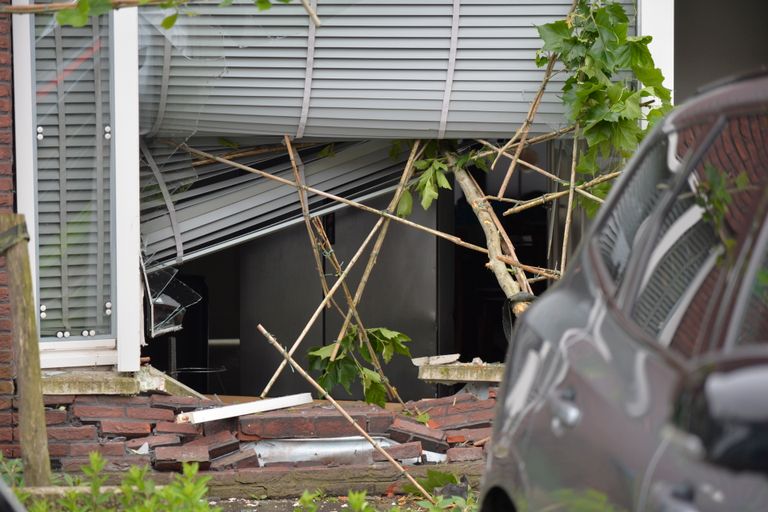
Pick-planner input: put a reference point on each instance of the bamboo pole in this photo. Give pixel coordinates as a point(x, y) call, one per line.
point(546, 198)
point(529, 142)
point(569, 211)
point(305, 213)
point(319, 309)
point(546, 272)
point(404, 178)
point(26, 350)
point(325, 395)
point(445, 236)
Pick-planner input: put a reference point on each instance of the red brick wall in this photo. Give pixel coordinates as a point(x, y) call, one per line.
point(6, 194)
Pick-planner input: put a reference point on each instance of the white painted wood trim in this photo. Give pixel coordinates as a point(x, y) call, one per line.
point(24, 129)
point(657, 18)
point(125, 129)
point(68, 359)
point(68, 346)
point(233, 411)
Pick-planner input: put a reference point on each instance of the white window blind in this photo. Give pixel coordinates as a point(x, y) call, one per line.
point(73, 178)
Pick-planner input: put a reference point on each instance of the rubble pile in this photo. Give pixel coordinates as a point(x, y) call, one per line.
point(142, 430)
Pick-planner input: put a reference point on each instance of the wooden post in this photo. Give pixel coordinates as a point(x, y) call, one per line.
point(26, 351)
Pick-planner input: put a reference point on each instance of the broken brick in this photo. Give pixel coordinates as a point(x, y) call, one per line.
point(109, 448)
point(125, 428)
point(88, 412)
point(84, 432)
point(185, 429)
point(476, 419)
point(467, 435)
point(410, 450)
point(149, 413)
point(404, 431)
point(177, 403)
point(310, 422)
point(464, 454)
point(218, 444)
point(241, 458)
point(171, 457)
point(152, 441)
point(380, 421)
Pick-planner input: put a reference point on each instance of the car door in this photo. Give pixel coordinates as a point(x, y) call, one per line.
point(726, 313)
point(587, 436)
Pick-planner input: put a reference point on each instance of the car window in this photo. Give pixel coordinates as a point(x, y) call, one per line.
point(618, 234)
point(700, 236)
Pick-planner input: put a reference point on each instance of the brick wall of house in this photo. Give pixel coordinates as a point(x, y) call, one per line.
point(6, 199)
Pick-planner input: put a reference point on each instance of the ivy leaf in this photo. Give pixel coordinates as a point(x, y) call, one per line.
point(405, 204)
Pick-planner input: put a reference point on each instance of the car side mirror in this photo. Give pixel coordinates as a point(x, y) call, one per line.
point(721, 412)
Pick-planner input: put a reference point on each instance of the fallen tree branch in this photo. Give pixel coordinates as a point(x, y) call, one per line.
point(557, 195)
point(484, 213)
point(529, 142)
point(325, 395)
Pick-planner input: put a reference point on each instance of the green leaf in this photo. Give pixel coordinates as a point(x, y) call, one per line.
point(555, 35)
point(442, 181)
point(169, 21)
point(357, 501)
point(324, 352)
point(428, 195)
point(228, 143)
point(405, 204)
point(433, 480)
point(99, 7)
point(421, 165)
point(541, 59)
point(225, 3)
point(77, 17)
point(373, 390)
point(327, 151)
point(263, 5)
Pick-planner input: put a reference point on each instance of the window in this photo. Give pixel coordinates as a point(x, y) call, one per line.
point(701, 234)
point(74, 179)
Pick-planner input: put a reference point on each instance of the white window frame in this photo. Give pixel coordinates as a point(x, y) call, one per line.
point(656, 18)
point(124, 350)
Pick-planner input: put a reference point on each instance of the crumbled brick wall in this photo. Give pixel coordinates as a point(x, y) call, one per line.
point(6, 200)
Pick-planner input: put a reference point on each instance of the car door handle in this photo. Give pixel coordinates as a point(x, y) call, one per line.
point(564, 409)
point(673, 498)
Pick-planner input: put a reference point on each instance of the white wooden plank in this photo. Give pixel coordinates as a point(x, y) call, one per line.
point(232, 411)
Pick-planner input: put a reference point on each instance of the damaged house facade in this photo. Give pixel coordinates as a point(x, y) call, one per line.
point(91, 125)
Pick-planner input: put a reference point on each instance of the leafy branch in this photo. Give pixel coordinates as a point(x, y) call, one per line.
point(349, 365)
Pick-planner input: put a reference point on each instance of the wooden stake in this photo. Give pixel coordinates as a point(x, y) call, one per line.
point(26, 350)
point(325, 395)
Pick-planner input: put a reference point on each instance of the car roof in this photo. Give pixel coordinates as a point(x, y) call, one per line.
point(747, 94)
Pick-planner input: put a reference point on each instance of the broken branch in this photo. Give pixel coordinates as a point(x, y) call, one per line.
point(325, 395)
point(548, 273)
point(481, 208)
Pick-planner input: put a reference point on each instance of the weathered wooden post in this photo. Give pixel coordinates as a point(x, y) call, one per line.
point(26, 350)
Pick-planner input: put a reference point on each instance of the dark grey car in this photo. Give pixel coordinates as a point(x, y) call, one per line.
point(640, 382)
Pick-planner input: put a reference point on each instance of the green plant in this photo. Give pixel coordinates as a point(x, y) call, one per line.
point(137, 492)
point(612, 78)
point(349, 364)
